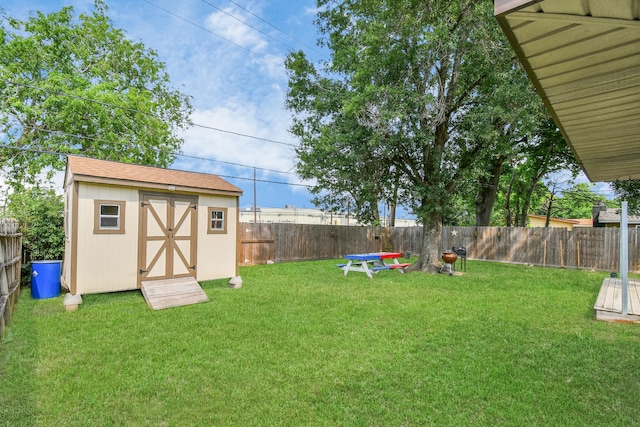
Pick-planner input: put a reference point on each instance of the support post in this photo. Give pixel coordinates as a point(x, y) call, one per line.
point(624, 257)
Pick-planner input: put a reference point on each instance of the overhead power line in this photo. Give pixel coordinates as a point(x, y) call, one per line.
point(247, 24)
point(243, 22)
point(202, 28)
point(265, 180)
point(234, 164)
point(273, 26)
point(57, 153)
point(71, 135)
point(245, 135)
point(106, 104)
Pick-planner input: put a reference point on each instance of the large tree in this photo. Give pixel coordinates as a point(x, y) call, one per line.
point(503, 120)
point(407, 71)
point(524, 189)
point(78, 85)
point(628, 191)
point(577, 201)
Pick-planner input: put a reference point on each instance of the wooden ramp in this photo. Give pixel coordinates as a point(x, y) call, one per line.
point(608, 306)
point(172, 292)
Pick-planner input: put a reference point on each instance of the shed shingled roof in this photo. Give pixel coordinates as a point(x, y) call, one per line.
point(86, 169)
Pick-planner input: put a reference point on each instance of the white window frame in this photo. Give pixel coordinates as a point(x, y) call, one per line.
point(98, 228)
point(224, 220)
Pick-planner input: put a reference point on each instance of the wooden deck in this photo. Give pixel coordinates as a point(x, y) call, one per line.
point(173, 292)
point(608, 306)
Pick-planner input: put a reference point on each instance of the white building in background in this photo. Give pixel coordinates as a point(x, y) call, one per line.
point(293, 215)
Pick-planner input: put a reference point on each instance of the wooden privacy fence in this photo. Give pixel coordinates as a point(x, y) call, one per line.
point(296, 242)
point(591, 248)
point(10, 263)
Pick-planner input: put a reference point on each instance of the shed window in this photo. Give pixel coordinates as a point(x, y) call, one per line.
point(109, 217)
point(217, 220)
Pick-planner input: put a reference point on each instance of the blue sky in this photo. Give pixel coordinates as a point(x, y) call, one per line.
point(229, 57)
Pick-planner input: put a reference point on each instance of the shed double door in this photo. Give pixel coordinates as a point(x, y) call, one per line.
point(168, 230)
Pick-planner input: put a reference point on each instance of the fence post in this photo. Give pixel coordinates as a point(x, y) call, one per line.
point(624, 257)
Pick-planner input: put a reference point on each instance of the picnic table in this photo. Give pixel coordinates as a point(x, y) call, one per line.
point(373, 262)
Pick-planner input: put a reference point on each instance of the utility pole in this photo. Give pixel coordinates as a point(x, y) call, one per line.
point(255, 206)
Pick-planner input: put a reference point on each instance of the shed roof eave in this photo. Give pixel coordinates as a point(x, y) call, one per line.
point(148, 185)
point(110, 172)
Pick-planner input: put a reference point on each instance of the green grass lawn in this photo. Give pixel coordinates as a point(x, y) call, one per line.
point(301, 345)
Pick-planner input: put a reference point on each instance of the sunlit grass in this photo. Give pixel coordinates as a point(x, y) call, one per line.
point(300, 344)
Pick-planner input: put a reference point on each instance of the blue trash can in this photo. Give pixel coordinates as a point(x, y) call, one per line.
point(45, 279)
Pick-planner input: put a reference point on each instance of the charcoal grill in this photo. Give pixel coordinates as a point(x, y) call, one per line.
point(461, 251)
point(449, 258)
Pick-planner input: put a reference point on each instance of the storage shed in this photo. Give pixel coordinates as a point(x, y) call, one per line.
point(127, 224)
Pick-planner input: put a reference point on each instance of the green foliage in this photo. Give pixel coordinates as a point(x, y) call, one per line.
point(574, 202)
point(78, 85)
point(521, 188)
point(302, 345)
point(385, 117)
point(422, 105)
point(628, 191)
point(515, 134)
point(40, 212)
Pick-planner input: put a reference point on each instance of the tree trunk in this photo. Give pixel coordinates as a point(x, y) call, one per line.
point(527, 202)
point(487, 193)
point(393, 206)
point(550, 206)
point(507, 205)
point(430, 261)
point(392, 214)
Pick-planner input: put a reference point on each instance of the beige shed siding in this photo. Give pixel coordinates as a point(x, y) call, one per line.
point(106, 262)
point(109, 262)
point(217, 252)
point(68, 232)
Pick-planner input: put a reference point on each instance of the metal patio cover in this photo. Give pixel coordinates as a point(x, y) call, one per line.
point(583, 56)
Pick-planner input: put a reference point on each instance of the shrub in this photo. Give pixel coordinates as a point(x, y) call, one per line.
point(40, 212)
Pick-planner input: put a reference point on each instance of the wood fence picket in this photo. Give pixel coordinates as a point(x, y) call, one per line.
point(10, 265)
point(588, 248)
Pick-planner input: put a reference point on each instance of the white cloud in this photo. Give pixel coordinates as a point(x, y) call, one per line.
point(228, 147)
point(232, 89)
point(234, 30)
point(312, 11)
point(273, 66)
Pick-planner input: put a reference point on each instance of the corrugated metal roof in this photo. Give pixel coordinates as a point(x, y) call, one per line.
point(584, 58)
point(92, 170)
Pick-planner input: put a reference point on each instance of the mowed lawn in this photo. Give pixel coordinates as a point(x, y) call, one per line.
point(301, 345)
